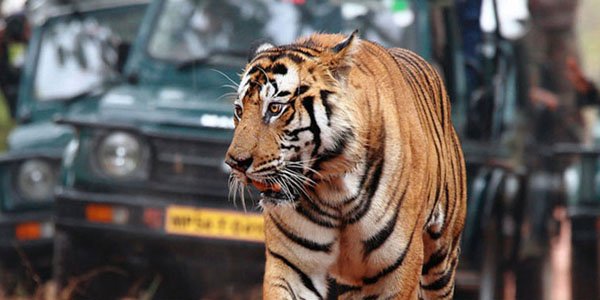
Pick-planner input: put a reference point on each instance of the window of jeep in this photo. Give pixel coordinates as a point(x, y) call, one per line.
point(189, 30)
point(79, 53)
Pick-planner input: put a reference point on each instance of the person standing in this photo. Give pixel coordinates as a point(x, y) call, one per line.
point(552, 40)
point(14, 34)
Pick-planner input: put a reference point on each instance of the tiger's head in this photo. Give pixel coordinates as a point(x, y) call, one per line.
point(292, 127)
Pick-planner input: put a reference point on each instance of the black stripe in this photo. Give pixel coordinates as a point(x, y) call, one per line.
point(279, 69)
point(265, 54)
point(301, 90)
point(274, 56)
point(371, 189)
point(429, 74)
point(437, 99)
point(392, 267)
point(305, 279)
point(305, 51)
point(411, 69)
point(379, 238)
point(364, 176)
point(267, 168)
point(363, 180)
point(317, 209)
point(332, 293)
point(302, 211)
point(294, 133)
point(335, 289)
point(340, 145)
point(302, 241)
point(302, 51)
point(290, 147)
point(443, 281)
point(434, 260)
point(295, 58)
point(434, 235)
point(416, 73)
point(286, 49)
point(292, 115)
point(283, 93)
point(308, 44)
point(371, 297)
point(403, 188)
point(448, 292)
point(253, 70)
point(287, 287)
point(324, 99)
point(308, 103)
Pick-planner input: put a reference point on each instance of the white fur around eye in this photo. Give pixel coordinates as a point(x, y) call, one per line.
point(288, 81)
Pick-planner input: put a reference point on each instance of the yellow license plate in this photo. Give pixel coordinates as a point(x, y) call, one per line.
point(213, 223)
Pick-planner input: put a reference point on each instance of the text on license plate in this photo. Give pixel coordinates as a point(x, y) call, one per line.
point(213, 223)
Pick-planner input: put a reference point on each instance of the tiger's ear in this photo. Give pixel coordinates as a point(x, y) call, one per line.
point(339, 57)
point(258, 47)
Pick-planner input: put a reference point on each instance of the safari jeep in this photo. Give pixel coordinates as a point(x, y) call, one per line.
point(73, 57)
point(144, 205)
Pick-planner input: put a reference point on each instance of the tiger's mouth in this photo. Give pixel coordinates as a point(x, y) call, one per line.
point(273, 191)
point(264, 187)
point(268, 190)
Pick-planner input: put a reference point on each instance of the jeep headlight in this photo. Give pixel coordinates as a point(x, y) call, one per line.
point(122, 155)
point(36, 179)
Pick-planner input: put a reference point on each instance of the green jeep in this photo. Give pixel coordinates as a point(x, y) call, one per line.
point(73, 57)
point(144, 205)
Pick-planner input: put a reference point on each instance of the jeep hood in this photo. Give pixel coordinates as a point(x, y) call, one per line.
point(39, 136)
point(45, 135)
point(169, 106)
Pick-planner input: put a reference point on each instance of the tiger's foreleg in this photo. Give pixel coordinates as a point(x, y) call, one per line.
point(395, 271)
point(437, 281)
point(441, 237)
point(285, 279)
point(442, 250)
point(296, 265)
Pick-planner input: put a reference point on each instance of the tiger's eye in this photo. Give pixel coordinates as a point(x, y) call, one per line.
point(238, 111)
point(275, 108)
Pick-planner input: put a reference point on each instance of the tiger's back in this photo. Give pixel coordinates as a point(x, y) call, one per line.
point(447, 208)
point(381, 203)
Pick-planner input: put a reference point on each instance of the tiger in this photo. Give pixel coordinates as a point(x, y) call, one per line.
point(359, 168)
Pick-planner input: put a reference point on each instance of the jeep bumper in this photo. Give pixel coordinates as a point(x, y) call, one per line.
point(26, 240)
point(172, 237)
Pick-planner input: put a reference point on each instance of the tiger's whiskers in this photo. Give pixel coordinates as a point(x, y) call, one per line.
point(230, 96)
point(235, 187)
point(237, 85)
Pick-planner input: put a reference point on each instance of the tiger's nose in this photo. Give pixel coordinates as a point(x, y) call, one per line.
point(239, 164)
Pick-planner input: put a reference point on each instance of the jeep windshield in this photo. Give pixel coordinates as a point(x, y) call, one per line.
point(79, 52)
point(190, 32)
